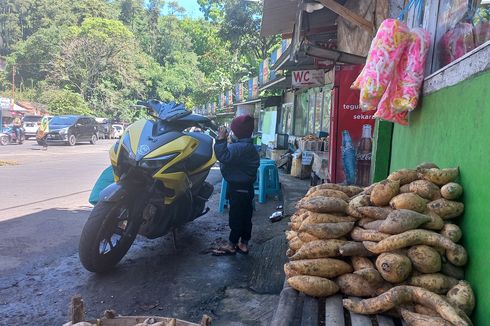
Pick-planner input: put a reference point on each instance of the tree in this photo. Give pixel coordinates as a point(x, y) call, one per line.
point(97, 57)
point(65, 102)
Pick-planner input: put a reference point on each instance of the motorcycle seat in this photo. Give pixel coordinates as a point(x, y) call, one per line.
point(203, 152)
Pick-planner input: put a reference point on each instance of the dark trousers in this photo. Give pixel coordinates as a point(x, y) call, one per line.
point(241, 211)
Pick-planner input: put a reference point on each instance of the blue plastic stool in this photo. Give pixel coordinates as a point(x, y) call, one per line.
point(222, 198)
point(268, 181)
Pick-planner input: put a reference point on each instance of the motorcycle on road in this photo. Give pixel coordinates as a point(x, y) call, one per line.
point(160, 172)
point(8, 136)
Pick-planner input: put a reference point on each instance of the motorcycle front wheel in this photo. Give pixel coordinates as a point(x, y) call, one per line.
point(4, 140)
point(109, 233)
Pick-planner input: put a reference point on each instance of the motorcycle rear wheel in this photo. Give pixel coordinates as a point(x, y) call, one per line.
point(109, 233)
point(4, 140)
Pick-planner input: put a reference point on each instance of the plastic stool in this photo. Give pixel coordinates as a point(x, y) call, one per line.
point(222, 198)
point(265, 161)
point(268, 182)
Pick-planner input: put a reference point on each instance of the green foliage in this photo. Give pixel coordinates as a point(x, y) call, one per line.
point(65, 102)
point(100, 56)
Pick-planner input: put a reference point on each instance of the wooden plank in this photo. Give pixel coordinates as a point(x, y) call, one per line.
point(309, 317)
point(357, 319)
point(348, 14)
point(286, 309)
point(334, 311)
point(385, 320)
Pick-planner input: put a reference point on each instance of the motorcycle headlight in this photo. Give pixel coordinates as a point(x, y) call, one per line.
point(158, 162)
point(64, 130)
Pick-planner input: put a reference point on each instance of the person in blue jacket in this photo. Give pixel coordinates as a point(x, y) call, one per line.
point(239, 163)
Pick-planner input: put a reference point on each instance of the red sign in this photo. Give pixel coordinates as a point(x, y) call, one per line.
point(351, 132)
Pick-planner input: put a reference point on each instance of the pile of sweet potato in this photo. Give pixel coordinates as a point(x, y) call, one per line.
point(394, 241)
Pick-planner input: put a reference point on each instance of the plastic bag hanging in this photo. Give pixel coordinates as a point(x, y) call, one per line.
point(386, 50)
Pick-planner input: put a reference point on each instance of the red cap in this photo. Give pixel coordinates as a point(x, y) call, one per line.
point(243, 126)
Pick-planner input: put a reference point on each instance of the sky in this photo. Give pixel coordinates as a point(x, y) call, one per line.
point(192, 8)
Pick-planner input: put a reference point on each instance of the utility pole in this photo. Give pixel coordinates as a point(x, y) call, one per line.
point(13, 86)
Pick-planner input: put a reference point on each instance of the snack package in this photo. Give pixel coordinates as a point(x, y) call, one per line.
point(386, 49)
point(410, 72)
point(456, 42)
point(385, 111)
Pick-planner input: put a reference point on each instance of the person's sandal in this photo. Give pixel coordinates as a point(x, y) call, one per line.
point(224, 251)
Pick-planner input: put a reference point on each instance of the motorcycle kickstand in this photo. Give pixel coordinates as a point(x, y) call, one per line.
point(174, 238)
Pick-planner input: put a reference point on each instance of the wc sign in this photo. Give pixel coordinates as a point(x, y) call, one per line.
point(308, 78)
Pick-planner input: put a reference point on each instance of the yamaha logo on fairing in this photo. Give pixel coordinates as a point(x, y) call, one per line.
point(143, 149)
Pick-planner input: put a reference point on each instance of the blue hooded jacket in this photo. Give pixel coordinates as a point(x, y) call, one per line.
point(239, 160)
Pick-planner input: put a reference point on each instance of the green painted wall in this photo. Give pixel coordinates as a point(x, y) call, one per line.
point(452, 128)
point(380, 162)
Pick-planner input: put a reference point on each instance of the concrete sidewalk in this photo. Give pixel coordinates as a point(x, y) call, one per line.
point(255, 304)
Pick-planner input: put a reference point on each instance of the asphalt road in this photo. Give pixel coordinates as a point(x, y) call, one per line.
point(43, 208)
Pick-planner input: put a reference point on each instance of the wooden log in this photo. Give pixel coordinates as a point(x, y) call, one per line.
point(358, 319)
point(334, 311)
point(309, 317)
point(285, 311)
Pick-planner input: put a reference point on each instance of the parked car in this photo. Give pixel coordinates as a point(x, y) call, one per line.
point(31, 125)
point(71, 129)
point(118, 130)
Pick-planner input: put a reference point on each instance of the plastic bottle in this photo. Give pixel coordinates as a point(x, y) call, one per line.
point(364, 153)
point(348, 158)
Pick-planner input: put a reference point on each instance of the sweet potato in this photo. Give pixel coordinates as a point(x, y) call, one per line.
point(364, 221)
point(360, 234)
point(425, 166)
point(416, 319)
point(327, 230)
point(440, 176)
point(437, 282)
point(355, 203)
point(394, 268)
point(371, 275)
point(295, 243)
point(405, 176)
point(359, 263)
point(408, 239)
point(319, 249)
point(291, 234)
point(446, 209)
point(457, 256)
point(405, 188)
point(404, 294)
point(462, 296)
point(409, 201)
point(329, 193)
point(289, 252)
point(294, 226)
point(374, 225)
point(375, 213)
point(402, 220)
point(384, 191)
point(316, 218)
point(425, 189)
point(313, 285)
point(348, 190)
point(451, 191)
point(354, 248)
point(290, 272)
point(367, 190)
point(322, 267)
point(452, 231)
point(306, 237)
point(451, 270)
point(356, 285)
point(298, 217)
point(425, 259)
point(436, 222)
point(455, 253)
point(324, 205)
point(425, 311)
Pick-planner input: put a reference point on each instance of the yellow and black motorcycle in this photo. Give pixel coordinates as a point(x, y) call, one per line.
point(160, 172)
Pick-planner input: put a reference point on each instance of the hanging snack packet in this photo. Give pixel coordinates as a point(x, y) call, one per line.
point(456, 42)
point(385, 53)
point(411, 70)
